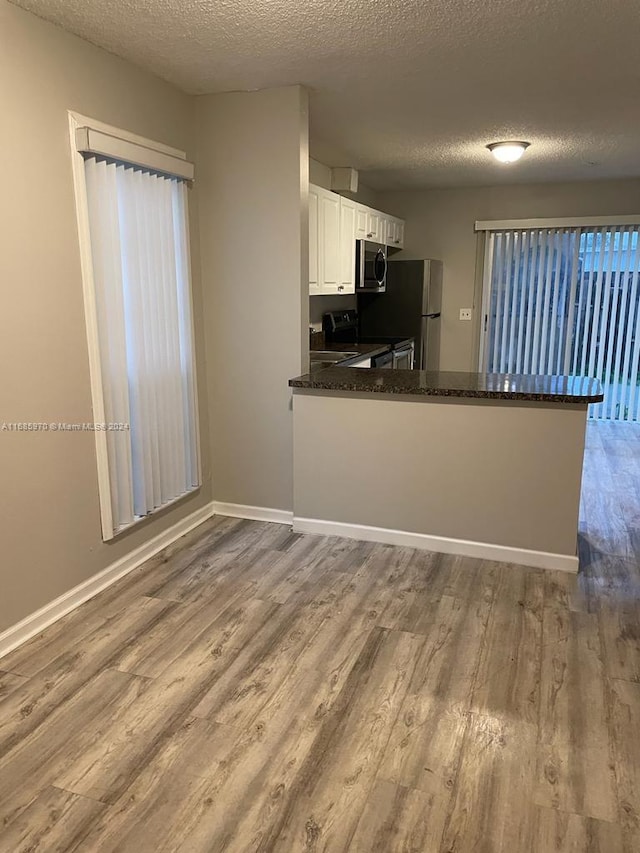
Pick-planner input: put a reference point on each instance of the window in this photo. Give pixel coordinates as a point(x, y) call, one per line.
point(566, 300)
point(138, 301)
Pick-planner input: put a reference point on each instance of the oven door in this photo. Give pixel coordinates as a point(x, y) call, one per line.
point(385, 360)
point(371, 267)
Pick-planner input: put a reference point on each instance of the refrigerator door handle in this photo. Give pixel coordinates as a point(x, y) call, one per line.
point(423, 344)
point(432, 316)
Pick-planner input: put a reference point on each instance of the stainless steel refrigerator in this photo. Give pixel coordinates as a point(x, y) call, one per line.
point(409, 307)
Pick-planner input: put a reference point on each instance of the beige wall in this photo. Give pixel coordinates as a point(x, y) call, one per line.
point(439, 224)
point(252, 161)
point(49, 513)
point(488, 471)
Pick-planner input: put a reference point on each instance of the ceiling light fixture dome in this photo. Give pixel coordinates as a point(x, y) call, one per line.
point(508, 152)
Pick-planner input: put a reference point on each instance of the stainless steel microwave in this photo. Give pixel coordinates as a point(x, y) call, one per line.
point(371, 267)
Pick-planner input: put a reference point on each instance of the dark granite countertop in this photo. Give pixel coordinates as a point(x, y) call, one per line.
point(491, 386)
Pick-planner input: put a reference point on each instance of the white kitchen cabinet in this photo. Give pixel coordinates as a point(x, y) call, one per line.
point(314, 274)
point(348, 210)
point(335, 223)
point(374, 226)
point(389, 230)
point(329, 241)
point(361, 222)
point(394, 232)
point(324, 241)
point(332, 248)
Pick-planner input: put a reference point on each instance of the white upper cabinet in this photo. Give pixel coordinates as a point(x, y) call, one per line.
point(348, 211)
point(374, 226)
point(329, 241)
point(361, 222)
point(389, 225)
point(394, 232)
point(325, 267)
point(335, 223)
point(314, 274)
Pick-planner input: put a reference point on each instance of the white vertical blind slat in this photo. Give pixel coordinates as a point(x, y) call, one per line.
point(158, 345)
point(531, 294)
point(141, 359)
point(524, 297)
point(572, 290)
point(547, 284)
point(540, 289)
point(590, 262)
point(596, 302)
point(500, 255)
point(614, 341)
point(556, 301)
point(185, 322)
point(515, 293)
point(603, 326)
point(175, 451)
point(506, 308)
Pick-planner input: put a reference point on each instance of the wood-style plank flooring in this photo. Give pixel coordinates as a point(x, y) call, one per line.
point(250, 689)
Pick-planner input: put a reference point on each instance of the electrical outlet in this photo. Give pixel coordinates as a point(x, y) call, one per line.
point(465, 313)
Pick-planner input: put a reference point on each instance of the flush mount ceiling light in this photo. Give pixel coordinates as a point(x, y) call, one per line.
point(508, 152)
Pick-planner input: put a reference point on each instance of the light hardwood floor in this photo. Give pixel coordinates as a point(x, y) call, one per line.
point(255, 690)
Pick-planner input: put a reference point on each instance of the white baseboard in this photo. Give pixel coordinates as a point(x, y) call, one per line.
point(255, 513)
point(68, 601)
point(442, 544)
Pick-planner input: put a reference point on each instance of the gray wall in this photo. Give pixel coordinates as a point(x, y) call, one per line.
point(472, 470)
point(439, 224)
point(252, 162)
point(49, 515)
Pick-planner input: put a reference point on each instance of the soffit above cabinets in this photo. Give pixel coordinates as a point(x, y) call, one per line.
point(407, 92)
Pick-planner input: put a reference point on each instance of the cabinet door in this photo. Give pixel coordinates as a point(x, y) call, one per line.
point(314, 277)
point(399, 241)
point(347, 283)
point(374, 226)
point(361, 222)
point(329, 241)
point(390, 231)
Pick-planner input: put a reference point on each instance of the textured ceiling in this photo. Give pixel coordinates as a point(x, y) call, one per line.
point(408, 91)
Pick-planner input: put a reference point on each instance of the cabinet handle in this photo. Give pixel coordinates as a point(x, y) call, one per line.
point(396, 241)
point(370, 235)
point(341, 287)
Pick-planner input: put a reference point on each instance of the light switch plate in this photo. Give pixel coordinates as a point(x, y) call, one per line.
point(465, 313)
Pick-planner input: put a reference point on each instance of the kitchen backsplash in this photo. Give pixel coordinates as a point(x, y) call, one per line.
point(318, 305)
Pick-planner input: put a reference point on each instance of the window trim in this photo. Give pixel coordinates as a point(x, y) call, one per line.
point(76, 122)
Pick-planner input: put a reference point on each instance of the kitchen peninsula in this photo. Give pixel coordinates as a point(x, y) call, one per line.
point(461, 463)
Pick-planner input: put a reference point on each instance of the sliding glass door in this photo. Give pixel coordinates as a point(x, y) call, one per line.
point(566, 300)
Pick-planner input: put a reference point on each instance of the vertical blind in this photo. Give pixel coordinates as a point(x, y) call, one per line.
point(139, 248)
point(566, 301)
